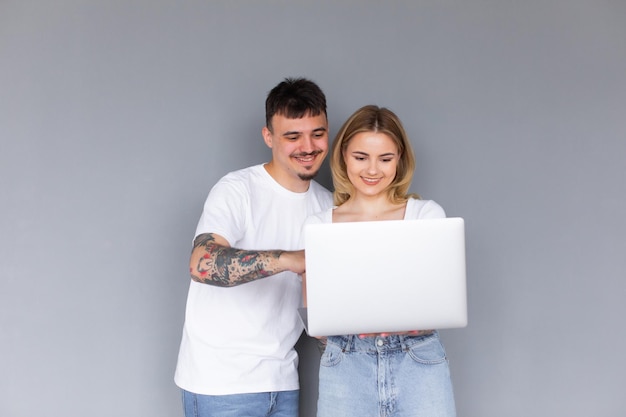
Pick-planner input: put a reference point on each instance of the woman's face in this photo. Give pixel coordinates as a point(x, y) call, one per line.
point(371, 162)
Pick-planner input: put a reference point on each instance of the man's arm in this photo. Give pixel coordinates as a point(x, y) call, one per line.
point(214, 262)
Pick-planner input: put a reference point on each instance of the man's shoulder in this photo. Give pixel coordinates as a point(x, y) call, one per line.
point(321, 194)
point(242, 176)
point(318, 188)
point(244, 173)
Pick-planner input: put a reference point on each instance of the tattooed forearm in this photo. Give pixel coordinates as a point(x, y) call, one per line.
point(224, 266)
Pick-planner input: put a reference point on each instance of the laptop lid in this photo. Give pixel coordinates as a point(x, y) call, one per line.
point(385, 276)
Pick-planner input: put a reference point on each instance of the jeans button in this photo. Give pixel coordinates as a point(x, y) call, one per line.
point(380, 342)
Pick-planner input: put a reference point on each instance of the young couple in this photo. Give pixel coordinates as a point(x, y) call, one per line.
point(237, 354)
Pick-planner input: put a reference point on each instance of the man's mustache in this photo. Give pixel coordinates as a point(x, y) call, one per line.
point(303, 154)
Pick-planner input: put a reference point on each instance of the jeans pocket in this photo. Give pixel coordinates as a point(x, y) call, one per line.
point(427, 351)
point(332, 355)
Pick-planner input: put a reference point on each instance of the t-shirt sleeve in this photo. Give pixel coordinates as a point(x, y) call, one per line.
point(431, 210)
point(224, 211)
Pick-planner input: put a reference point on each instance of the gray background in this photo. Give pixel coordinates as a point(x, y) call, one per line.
point(117, 116)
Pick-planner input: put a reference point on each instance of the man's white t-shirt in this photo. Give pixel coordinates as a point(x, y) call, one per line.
point(241, 339)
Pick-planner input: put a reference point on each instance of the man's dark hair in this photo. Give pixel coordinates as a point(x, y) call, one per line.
point(294, 98)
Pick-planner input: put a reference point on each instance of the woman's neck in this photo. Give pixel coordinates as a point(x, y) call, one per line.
point(369, 209)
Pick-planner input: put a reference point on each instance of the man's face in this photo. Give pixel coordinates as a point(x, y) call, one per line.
point(299, 147)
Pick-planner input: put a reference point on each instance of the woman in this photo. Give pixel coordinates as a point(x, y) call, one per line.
point(396, 374)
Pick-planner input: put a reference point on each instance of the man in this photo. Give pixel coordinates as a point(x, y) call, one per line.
point(237, 355)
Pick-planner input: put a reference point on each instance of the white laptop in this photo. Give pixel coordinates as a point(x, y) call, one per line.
point(385, 276)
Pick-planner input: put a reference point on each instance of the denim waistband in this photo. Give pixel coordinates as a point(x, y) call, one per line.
point(353, 343)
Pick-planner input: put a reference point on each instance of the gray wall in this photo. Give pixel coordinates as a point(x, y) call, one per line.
point(117, 116)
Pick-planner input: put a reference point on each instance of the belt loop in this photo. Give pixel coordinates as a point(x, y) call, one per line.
point(403, 343)
point(348, 343)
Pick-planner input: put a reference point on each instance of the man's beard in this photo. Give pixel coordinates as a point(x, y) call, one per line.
point(308, 177)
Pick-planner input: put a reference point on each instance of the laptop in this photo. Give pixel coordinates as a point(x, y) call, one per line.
point(385, 276)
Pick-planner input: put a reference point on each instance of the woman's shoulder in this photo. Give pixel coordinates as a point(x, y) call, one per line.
point(423, 209)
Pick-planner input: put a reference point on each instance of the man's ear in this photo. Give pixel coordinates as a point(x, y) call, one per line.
point(267, 137)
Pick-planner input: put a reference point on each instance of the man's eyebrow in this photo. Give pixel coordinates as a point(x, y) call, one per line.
point(297, 132)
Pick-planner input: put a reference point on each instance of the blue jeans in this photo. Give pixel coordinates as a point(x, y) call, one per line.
point(263, 404)
point(399, 376)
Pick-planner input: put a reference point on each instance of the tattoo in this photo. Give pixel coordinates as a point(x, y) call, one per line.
point(224, 266)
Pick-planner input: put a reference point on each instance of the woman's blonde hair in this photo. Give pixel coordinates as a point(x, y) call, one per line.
point(378, 120)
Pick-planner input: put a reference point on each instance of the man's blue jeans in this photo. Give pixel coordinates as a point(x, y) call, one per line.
point(263, 404)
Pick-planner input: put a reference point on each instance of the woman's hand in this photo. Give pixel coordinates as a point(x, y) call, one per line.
point(407, 333)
